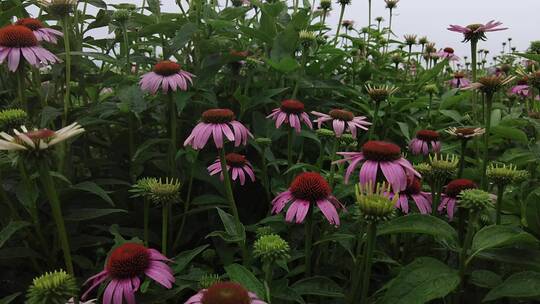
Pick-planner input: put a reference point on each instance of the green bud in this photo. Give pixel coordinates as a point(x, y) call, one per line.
point(55, 287)
point(503, 175)
point(374, 201)
point(271, 247)
point(11, 119)
point(157, 190)
point(431, 89)
point(121, 16)
point(264, 230)
point(442, 167)
point(474, 199)
point(208, 280)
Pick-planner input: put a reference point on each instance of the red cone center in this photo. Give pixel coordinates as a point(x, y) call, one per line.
point(166, 68)
point(226, 293)
point(17, 36)
point(217, 116)
point(292, 106)
point(128, 260)
point(310, 186)
point(381, 151)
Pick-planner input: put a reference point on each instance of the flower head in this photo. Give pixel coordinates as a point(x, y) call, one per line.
point(307, 189)
point(125, 267)
point(168, 75)
point(426, 141)
point(380, 93)
point(237, 164)
point(465, 133)
point(348, 24)
point(158, 191)
point(225, 293)
point(431, 89)
point(381, 155)
point(325, 5)
point(410, 40)
point(490, 84)
point(443, 167)
point(271, 248)
point(291, 112)
point(208, 280)
point(59, 8)
point(477, 32)
point(12, 118)
point(375, 201)
point(218, 123)
point(414, 191)
point(37, 140)
point(423, 40)
point(18, 41)
point(342, 120)
point(451, 193)
point(41, 32)
point(55, 287)
point(391, 4)
point(448, 53)
point(503, 175)
point(459, 81)
point(474, 199)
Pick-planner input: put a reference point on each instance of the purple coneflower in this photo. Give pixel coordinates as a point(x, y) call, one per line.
point(477, 31)
point(342, 120)
point(168, 75)
point(459, 81)
point(125, 267)
point(379, 154)
point(449, 197)
point(17, 41)
point(238, 165)
point(218, 123)
point(423, 141)
point(225, 293)
point(291, 112)
point(448, 53)
point(307, 189)
point(414, 191)
point(41, 32)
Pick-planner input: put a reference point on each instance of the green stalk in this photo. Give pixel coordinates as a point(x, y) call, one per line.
point(308, 241)
point(464, 251)
point(172, 132)
point(368, 257)
point(164, 227)
point(268, 272)
point(332, 165)
point(339, 23)
point(462, 158)
point(374, 120)
point(290, 136)
point(126, 48)
point(56, 208)
point(20, 88)
point(474, 46)
point(186, 209)
point(67, 48)
point(489, 104)
point(500, 193)
point(369, 21)
point(389, 31)
point(430, 106)
point(146, 221)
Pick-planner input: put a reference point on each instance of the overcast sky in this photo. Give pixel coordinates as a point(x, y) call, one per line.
point(432, 17)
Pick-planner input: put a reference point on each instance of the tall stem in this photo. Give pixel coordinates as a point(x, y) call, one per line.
point(374, 120)
point(489, 104)
point(500, 193)
point(369, 20)
point(50, 190)
point(186, 209)
point(429, 108)
point(146, 220)
point(126, 49)
point(473, 216)
point(290, 137)
point(368, 256)
point(228, 186)
point(342, 12)
point(462, 158)
point(308, 240)
point(332, 166)
point(67, 48)
point(172, 132)
point(164, 227)
point(20, 88)
point(389, 31)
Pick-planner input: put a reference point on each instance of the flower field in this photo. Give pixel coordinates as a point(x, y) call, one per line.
point(252, 152)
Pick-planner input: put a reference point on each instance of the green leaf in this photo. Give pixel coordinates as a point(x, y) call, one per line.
point(242, 275)
point(510, 133)
point(485, 278)
point(520, 285)
point(532, 211)
point(10, 298)
point(452, 114)
point(182, 37)
point(534, 57)
point(233, 232)
point(496, 236)
point(94, 55)
point(185, 257)
point(94, 189)
point(420, 223)
point(318, 286)
point(284, 65)
point(85, 214)
point(10, 230)
point(423, 280)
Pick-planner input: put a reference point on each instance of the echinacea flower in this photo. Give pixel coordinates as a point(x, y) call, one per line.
point(126, 266)
point(218, 123)
point(391, 4)
point(291, 112)
point(410, 40)
point(465, 133)
point(380, 93)
point(37, 139)
point(59, 8)
point(225, 293)
point(52, 287)
point(41, 32)
point(426, 141)
point(521, 89)
point(414, 191)
point(477, 32)
point(342, 120)
point(459, 81)
point(238, 166)
point(381, 155)
point(18, 41)
point(448, 53)
point(306, 190)
point(450, 195)
point(490, 84)
point(168, 75)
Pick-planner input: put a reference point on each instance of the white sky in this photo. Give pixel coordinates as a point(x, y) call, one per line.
point(432, 17)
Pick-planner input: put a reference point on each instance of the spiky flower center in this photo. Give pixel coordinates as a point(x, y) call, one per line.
point(381, 151)
point(341, 115)
point(310, 186)
point(41, 134)
point(166, 68)
point(459, 75)
point(456, 186)
point(235, 159)
point(292, 106)
point(448, 50)
point(241, 54)
point(474, 27)
point(465, 131)
point(413, 187)
point(17, 36)
point(226, 293)
point(217, 116)
point(490, 83)
point(31, 23)
point(128, 261)
point(427, 135)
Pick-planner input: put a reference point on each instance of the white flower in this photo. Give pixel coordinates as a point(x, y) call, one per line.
point(37, 139)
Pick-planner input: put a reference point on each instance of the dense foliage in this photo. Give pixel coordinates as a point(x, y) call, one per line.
point(360, 167)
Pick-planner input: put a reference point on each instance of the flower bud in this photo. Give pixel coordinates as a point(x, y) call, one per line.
point(55, 287)
point(12, 118)
point(503, 175)
point(208, 280)
point(375, 201)
point(474, 199)
point(271, 248)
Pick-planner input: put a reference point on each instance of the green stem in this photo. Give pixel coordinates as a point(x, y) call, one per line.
point(67, 48)
point(429, 107)
point(268, 273)
point(389, 31)
point(369, 21)
point(290, 136)
point(374, 120)
point(332, 165)
point(500, 193)
point(146, 221)
point(368, 257)
point(186, 209)
point(126, 49)
point(308, 240)
point(489, 104)
point(172, 132)
point(56, 208)
point(164, 227)
point(20, 88)
point(473, 216)
point(462, 158)
point(342, 12)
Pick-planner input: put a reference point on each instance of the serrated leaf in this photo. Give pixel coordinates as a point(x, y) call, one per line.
point(485, 278)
